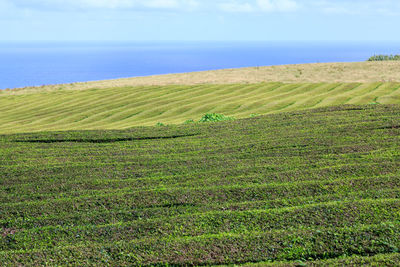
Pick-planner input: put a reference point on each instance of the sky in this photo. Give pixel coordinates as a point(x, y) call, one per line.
point(199, 20)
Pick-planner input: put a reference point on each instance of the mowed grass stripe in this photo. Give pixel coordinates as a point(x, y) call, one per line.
point(315, 97)
point(140, 109)
point(229, 100)
point(254, 98)
point(77, 105)
point(371, 94)
point(164, 105)
point(138, 105)
point(129, 106)
point(390, 98)
point(101, 114)
point(213, 105)
point(87, 105)
point(96, 99)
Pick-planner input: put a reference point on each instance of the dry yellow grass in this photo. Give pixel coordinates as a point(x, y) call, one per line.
point(361, 72)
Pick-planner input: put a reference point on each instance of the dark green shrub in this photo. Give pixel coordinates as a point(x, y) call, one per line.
point(254, 115)
point(189, 121)
point(215, 117)
point(384, 58)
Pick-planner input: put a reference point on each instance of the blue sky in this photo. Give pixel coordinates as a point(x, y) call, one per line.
point(243, 20)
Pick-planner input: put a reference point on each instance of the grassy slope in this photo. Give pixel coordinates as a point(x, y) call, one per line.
point(311, 185)
point(361, 72)
point(119, 108)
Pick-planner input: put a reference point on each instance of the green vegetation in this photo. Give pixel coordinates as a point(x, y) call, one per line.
point(215, 117)
point(384, 58)
point(189, 121)
point(121, 108)
point(320, 186)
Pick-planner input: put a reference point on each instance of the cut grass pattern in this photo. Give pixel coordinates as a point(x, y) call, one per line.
point(121, 108)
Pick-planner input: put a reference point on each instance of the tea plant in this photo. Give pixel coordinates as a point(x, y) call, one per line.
point(318, 187)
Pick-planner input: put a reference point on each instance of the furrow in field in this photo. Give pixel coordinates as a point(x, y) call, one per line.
point(86, 182)
point(323, 215)
point(267, 154)
point(197, 196)
point(304, 185)
point(223, 248)
point(127, 213)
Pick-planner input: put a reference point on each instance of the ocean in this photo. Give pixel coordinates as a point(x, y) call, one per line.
point(42, 63)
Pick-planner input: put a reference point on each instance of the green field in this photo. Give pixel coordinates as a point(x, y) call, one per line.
point(125, 107)
point(319, 186)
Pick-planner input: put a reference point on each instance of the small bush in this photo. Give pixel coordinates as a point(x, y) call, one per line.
point(215, 117)
point(254, 115)
point(384, 58)
point(160, 124)
point(189, 121)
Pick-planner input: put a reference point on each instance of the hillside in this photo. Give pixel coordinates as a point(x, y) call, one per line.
point(321, 185)
point(358, 72)
point(125, 107)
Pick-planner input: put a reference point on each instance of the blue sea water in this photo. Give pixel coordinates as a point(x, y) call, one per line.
point(28, 64)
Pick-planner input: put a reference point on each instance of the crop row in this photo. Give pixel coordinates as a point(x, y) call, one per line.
point(335, 214)
point(222, 248)
point(306, 185)
point(106, 214)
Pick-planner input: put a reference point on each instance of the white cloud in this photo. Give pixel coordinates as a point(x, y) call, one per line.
point(103, 4)
point(170, 4)
point(162, 4)
point(277, 5)
point(345, 7)
point(259, 6)
point(358, 7)
point(234, 6)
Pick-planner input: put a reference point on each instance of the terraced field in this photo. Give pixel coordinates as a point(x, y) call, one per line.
point(124, 107)
point(319, 186)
